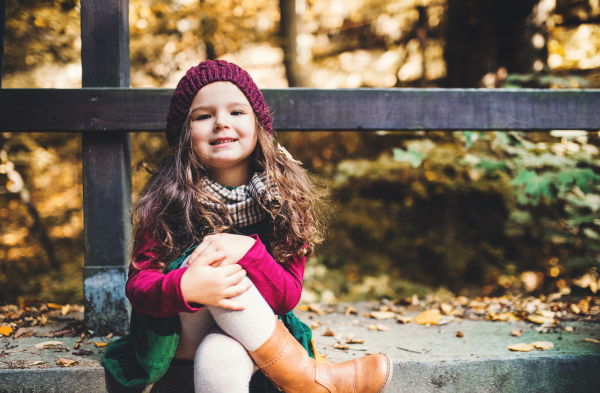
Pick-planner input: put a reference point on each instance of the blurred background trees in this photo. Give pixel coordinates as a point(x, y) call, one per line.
point(462, 212)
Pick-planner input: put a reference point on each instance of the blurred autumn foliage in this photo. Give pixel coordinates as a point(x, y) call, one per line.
point(467, 212)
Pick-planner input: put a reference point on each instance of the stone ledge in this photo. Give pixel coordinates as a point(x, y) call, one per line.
point(432, 359)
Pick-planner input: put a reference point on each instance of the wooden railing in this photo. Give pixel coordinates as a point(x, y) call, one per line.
point(106, 110)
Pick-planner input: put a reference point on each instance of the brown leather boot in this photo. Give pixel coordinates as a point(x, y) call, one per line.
point(285, 362)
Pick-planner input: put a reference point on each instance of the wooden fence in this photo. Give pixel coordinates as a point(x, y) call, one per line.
point(106, 110)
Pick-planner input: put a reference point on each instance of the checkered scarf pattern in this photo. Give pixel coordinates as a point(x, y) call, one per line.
point(245, 204)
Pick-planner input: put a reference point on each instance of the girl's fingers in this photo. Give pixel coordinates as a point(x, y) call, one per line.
point(238, 289)
point(230, 270)
point(231, 305)
point(235, 279)
point(210, 257)
point(206, 242)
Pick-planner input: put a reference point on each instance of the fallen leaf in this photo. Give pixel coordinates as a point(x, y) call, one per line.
point(383, 328)
point(350, 339)
point(303, 308)
point(316, 309)
point(522, 347)
point(83, 352)
point(350, 310)
point(403, 319)
point(383, 315)
point(44, 319)
point(328, 333)
point(47, 344)
point(430, 316)
point(372, 327)
point(446, 308)
point(341, 346)
point(77, 345)
point(54, 306)
point(503, 317)
point(516, 332)
point(66, 362)
point(592, 340)
point(98, 345)
point(575, 308)
point(458, 313)
point(315, 325)
point(569, 329)
point(543, 345)
point(459, 334)
point(584, 305)
point(539, 319)
point(65, 309)
point(6, 330)
point(414, 300)
point(37, 363)
point(446, 320)
point(23, 333)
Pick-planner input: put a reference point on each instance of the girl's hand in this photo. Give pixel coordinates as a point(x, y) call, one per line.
point(213, 286)
point(234, 247)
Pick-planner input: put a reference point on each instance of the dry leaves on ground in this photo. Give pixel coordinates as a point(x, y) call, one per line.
point(63, 362)
point(460, 334)
point(431, 317)
point(523, 347)
point(328, 333)
point(592, 340)
point(516, 332)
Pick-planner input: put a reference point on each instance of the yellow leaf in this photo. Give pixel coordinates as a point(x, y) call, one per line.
point(54, 306)
point(372, 327)
point(328, 333)
point(516, 332)
point(569, 329)
point(543, 344)
point(383, 328)
point(44, 319)
point(584, 305)
point(459, 334)
point(402, 319)
point(522, 347)
point(303, 308)
point(98, 345)
point(109, 336)
point(6, 330)
point(592, 340)
point(37, 363)
point(539, 319)
point(318, 357)
point(503, 317)
point(66, 362)
point(316, 309)
point(428, 317)
point(65, 309)
point(575, 308)
point(382, 315)
point(315, 325)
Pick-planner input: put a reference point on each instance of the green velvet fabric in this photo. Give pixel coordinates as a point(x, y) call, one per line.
point(143, 356)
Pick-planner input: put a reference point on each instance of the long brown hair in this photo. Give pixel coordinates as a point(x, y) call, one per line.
point(171, 213)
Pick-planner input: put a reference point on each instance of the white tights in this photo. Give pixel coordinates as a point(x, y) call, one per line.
point(219, 340)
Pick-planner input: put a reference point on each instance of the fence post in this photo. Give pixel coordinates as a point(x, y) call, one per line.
point(106, 169)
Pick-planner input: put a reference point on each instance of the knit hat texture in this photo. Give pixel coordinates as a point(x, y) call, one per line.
point(207, 72)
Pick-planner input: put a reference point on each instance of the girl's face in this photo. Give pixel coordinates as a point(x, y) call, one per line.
point(224, 132)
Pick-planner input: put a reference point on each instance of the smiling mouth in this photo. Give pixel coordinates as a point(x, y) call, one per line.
point(222, 141)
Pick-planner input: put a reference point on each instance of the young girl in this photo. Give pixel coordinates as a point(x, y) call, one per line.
point(236, 215)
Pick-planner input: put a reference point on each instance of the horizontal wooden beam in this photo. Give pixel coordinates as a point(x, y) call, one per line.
point(298, 109)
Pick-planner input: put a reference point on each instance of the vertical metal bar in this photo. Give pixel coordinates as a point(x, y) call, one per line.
point(106, 170)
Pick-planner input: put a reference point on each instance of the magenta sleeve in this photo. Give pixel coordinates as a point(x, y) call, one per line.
point(152, 292)
point(280, 285)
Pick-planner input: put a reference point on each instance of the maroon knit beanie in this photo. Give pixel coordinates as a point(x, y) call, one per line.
point(207, 72)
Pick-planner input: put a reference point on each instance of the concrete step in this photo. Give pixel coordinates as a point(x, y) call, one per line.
point(426, 359)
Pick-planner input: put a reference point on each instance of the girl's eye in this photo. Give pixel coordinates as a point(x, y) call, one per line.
point(237, 113)
point(203, 117)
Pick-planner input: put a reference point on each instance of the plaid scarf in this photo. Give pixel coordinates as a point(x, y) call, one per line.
point(246, 204)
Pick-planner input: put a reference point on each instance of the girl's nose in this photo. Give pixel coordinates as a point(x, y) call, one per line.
point(220, 123)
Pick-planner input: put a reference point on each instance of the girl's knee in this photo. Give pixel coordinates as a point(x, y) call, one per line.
point(221, 364)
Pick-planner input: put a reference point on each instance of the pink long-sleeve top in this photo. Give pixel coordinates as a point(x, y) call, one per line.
point(154, 293)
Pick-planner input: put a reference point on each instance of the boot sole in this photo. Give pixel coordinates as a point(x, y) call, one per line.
point(388, 378)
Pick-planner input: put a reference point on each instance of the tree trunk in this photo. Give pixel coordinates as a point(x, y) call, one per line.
point(484, 36)
point(288, 32)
